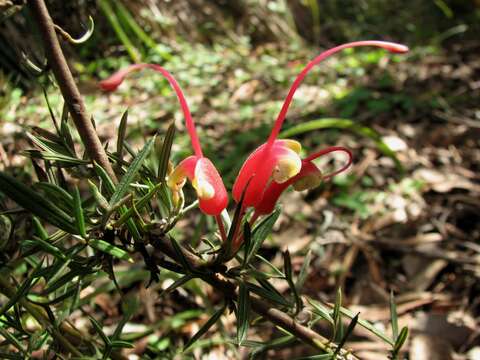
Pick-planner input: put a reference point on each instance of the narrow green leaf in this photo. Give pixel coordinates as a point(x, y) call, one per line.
point(131, 173)
point(177, 283)
point(50, 110)
point(39, 229)
point(107, 184)
point(287, 263)
point(402, 337)
point(99, 331)
point(78, 210)
point(58, 195)
point(97, 195)
point(393, 316)
point(205, 328)
point(247, 242)
point(11, 356)
point(321, 311)
point(110, 249)
point(45, 246)
point(165, 152)
point(280, 342)
point(243, 313)
point(316, 357)
point(227, 253)
point(122, 130)
point(22, 290)
point(180, 256)
point(302, 276)
point(37, 204)
point(368, 326)
point(118, 344)
point(267, 294)
point(138, 205)
point(277, 271)
point(66, 131)
point(345, 336)
point(260, 233)
point(46, 155)
point(61, 281)
point(337, 315)
point(12, 340)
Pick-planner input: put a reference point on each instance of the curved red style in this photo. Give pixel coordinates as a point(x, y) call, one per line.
point(258, 168)
point(206, 180)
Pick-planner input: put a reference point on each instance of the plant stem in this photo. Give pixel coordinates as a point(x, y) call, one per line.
point(262, 308)
point(67, 85)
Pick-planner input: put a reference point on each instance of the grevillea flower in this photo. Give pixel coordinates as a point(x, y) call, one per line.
point(203, 175)
point(275, 165)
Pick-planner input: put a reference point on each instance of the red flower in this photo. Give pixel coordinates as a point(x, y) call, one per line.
point(275, 165)
point(203, 175)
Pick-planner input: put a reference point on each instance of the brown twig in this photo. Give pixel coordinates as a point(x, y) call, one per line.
point(67, 85)
point(262, 308)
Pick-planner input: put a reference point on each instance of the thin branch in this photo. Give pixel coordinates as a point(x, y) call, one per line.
point(67, 85)
point(262, 308)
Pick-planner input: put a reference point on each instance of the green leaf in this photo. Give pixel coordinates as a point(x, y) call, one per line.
point(287, 264)
point(97, 195)
point(107, 184)
point(267, 294)
point(138, 205)
point(402, 337)
point(59, 196)
point(79, 213)
point(39, 229)
point(12, 340)
point(336, 123)
point(35, 203)
point(45, 155)
point(177, 283)
point(122, 130)
point(368, 326)
point(302, 276)
point(337, 315)
point(345, 336)
point(165, 152)
point(180, 255)
point(131, 173)
point(66, 132)
point(99, 331)
point(393, 316)
point(317, 357)
point(22, 290)
point(117, 344)
point(260, 233)
point(321, 311)
point(243, 313)
point(247, 242)
point(280, 342)
point(227, 251)
point(205, 328)
point(110, 249)
point(45, 246)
